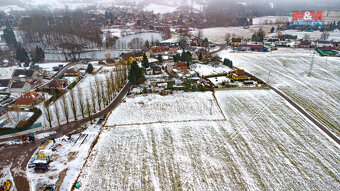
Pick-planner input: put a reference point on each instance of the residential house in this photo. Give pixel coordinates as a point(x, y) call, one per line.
point(157, 50)
point(181, 66)
point(149, 71)
point(72, 72)
point(25, 75)
point(4, 85)
point(235, 41)
point(19, 87)
point(252, 47)
point(101, 62)
point(204, 82)
point(238, 74)
point(305, 44)
point(57, 84)
point(3, 111)
point(157, 70)
point(323, 43)
point(29, 99)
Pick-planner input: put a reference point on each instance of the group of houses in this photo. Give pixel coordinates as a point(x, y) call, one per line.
point(21, 81)
point(239, 45)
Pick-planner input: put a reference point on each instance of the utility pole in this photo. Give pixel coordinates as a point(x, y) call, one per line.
point(268, 77)
point(311, 65)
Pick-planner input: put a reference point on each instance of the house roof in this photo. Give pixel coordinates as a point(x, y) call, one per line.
point(2, 109)
point(305, 43)
point(28, 98)
point(236, 39)
point(72, 70)
point(18, 84)
point(158, 49)
point(21, 72)
point(4, 82)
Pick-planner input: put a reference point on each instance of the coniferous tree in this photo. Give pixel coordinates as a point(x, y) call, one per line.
point(176, 57)
point(160, 58)
point(89, 69)
point(145, 61)
point(135, 74)
point(21, 54)
point(9, 37)
point(200, 57)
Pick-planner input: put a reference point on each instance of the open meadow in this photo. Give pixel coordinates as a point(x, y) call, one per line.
point(287, 70)
point(263, 144)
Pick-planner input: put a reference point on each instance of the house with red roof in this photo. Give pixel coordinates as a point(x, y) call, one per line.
point(29, 99)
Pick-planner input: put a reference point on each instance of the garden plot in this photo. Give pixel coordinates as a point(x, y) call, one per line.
point(206, 70)
point(319, 94)
point(264, 145)
point(156, 108)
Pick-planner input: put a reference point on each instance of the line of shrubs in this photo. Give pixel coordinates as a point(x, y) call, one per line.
point(36, 114)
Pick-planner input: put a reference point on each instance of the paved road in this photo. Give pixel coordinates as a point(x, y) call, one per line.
point(222, 47)
point(303, 112)
point(17, 156)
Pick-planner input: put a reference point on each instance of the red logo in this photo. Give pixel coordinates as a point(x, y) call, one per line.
point(308, 16)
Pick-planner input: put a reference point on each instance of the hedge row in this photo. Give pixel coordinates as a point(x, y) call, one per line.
point(37, 113)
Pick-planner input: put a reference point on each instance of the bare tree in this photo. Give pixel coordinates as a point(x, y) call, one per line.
point(73, 104)
point(64, 105)
point(324, 35)
point(81, 101)
point(57, 112)
point(227, 38)
point(98, 92)
point(199, 33)
point(103, 93)
point(93, 96)
point(113, 82)
point(306, 37)
point(48, 115)
point(88, 108)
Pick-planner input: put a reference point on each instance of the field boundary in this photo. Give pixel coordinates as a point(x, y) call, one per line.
point(155, 122)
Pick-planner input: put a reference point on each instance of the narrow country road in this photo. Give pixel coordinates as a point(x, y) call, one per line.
point(303, 112)
point(17, 156)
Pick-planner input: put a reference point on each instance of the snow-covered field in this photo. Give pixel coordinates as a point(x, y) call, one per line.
point(7, 72)
point(49, 66)
point(217, 34)
point(315, 35)
point(205, 70)
point(318, 94)
point(263, 145)
point(152, 108)
point(270, 20)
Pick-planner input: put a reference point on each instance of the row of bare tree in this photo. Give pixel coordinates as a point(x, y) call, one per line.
point(77, 103)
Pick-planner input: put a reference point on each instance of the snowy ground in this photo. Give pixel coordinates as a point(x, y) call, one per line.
point(49, 66)
point(263, 145)
point(315, 35)
point(152, 108)
point(217, 34)
point(67, 159)
point(318, 94)
point(6, 72)
point(205, 70)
